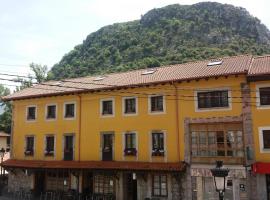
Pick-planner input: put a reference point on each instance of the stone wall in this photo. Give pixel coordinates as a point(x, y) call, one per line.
point(176, 188)
point(18, 180)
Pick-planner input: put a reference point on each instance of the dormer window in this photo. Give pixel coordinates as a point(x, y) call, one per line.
point(31, 114)
point(99, 78)
point(214, 63)
point(149, 71)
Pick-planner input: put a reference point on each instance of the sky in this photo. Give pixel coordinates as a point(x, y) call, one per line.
point(42, 31)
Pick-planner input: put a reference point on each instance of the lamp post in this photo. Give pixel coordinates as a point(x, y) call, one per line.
point(219, 173)
point(2, 154)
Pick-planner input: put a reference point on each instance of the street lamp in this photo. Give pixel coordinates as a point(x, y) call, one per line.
point(219, 173)
point(2, 154)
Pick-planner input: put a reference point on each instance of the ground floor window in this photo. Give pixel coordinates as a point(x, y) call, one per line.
point(159, 185)
point(103, 184)
point(57, 180)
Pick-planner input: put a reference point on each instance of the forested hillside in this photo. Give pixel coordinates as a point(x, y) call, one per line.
point(168, 35)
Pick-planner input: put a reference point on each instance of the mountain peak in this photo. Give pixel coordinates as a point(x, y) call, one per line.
point(172, 34)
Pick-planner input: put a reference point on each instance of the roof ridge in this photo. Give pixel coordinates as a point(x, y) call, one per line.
point(163, 66)
point(262, 56)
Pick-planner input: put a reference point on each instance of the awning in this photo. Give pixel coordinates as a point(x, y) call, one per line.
point(261, 168)
point(98, 165)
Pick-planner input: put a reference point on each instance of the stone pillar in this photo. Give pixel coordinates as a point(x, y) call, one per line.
point(262, 191)
point(19, 180)
point(119, 186)
point(187, 186)
point(248, 139)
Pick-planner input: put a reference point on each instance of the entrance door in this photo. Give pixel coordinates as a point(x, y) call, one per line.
point(107, 147)
point(68, 147)
point(130, 186)
point(39, 182)
point(268, 185)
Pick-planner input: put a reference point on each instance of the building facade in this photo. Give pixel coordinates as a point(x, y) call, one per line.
point(142, 134)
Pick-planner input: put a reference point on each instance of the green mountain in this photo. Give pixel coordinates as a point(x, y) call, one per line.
point(168, 35)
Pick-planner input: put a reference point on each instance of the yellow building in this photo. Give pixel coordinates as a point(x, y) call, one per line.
point(150, 133)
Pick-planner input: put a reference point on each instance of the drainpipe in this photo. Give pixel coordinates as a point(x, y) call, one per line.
point(177, 120)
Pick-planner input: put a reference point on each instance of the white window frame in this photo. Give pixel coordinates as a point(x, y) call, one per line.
point(124, 143)
point(261, 129)
point(25, 144)
point(46, 111)
point(64, 110)
point(196, 101)
point(74, 145)
point(151, 144)
point(156, 112)
point(258, 100)
point(101, 107)
point(54, 145)
point(26, 113)
point(124, 106)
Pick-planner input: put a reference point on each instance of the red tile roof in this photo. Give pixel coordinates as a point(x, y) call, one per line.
point(178, 72)
point(260, 65)
point(105, 165)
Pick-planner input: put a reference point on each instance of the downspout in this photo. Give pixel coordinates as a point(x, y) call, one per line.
point(177, 120)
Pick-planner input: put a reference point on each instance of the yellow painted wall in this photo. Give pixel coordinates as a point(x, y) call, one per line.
point(260, 118)
point(143, 123)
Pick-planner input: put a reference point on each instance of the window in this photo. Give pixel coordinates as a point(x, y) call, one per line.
point(159, 185)
point(213, 99)
point(130, 105)
point(29, 146)
point(31, 113)
point(130, 144)
point(69, 110)
point(157, 144)
point(266, 139)
point(216, 140)
point(49, 150)
point(51, 112)
point(103, 184)
point(264, 96)
point(107, 107)
point(157, 103)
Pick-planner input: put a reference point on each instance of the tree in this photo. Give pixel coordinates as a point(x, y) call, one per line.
point(39, 71)
point(6, 116)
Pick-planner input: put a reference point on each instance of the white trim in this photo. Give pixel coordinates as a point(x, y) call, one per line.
point(164, 142)
point(101, 107)
point(124, 143)
point(124, 106)
point(45, 145)
point(261, 129)
point(26, 113)
point(46, 111)
point(63, 144)
point(101, 143)
point(156, 112)
point(34, 146)
point(258, 100)
point(196, 102)
point(64, 110)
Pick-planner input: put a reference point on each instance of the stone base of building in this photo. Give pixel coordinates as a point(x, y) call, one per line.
point(203, 185)
point(122, 185)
